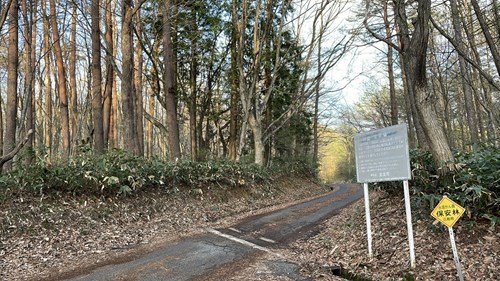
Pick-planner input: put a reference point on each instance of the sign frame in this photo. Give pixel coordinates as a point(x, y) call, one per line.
point(451, 212)
point(383, 154)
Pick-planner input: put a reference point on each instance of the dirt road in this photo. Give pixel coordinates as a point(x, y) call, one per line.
point(219, 254)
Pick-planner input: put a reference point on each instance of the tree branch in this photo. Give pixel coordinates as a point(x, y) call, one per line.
point(488, 77)
point(7, 157)
point(376, 35)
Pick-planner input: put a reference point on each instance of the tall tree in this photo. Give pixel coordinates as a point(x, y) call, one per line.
point(108, 86)
point(127, 81)
point(12, 68)
point(233, 81)
point(29, 11)
point(169, 87)
point(414, 56)
point(390, 65)
point(470, 107)
point(72, 75)
point(97, 110)
point(193, 74)
point(47, 81)
point(61, 75)
point(139, 100)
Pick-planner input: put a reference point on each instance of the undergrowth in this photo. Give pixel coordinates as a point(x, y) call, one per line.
point(474, 183)
point(120, 173)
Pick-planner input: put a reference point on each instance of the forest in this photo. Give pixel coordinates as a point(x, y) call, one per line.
point(243, 81)
point(126, 121)
point(169, 79)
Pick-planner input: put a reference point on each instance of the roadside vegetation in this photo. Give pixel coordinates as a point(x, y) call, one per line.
point(473, 181)
point(118, 173)
point(65, 215)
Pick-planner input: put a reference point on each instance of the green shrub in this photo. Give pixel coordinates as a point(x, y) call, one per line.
point(299, 167)
point(475, 183)
point(118, 172)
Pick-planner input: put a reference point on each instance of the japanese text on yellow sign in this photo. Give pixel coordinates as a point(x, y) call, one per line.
point(447, 212)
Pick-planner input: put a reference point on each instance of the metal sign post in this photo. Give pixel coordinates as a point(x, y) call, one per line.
point(448, 213)
point(383, 155)
point(455, 254)
point(411, 242)
point(368, 220)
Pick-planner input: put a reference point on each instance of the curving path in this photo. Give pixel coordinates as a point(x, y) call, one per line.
point(218, 253)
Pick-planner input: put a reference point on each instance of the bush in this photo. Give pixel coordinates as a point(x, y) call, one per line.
point(475, 183)
point(299, 167)
point(118, 172)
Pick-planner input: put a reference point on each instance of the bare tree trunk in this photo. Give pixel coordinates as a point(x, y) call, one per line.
point(110, 75)
point(149, 127)
point(414, 56)
point(240, 25)
point(192, 103)
point(268, 78)
point(155, 89)
point(492, 43)
point(116, 119)
point(255, 118)
point(316, 97)
point(439, 87)
point(138, 87)
point(169, 80)
point(233, 80)
point(470, 108)
point(97, 113)
point(72, 77)
point(48, 139)
point(390, 68)
point(12, 67)
point(127, 84)
point(61, 75)
point(32, 117)
point(30, 35)
point(410, 102)
point(257, 138)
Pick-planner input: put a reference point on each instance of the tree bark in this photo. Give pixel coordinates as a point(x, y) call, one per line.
point(12, 67)
point(169, 80)
point(127, 83)
point(110, 77)
point(192, 103)
point(414, 56)
point(72, 77)
point(139, 102)
point(97, 111)
point(61, 76)
point(48, 139)
point(30, 60)
point(233, 80)
point(470, 107)
point(390, 67)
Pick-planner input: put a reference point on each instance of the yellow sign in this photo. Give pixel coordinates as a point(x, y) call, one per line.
point(447, 212)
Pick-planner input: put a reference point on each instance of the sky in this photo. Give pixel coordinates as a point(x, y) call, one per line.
point(350, 75)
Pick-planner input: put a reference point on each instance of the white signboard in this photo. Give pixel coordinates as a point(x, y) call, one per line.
point(383, 155)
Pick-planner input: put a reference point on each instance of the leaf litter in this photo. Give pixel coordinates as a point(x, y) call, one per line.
point(342, 243)
point(44, 239)
point(41, 240)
